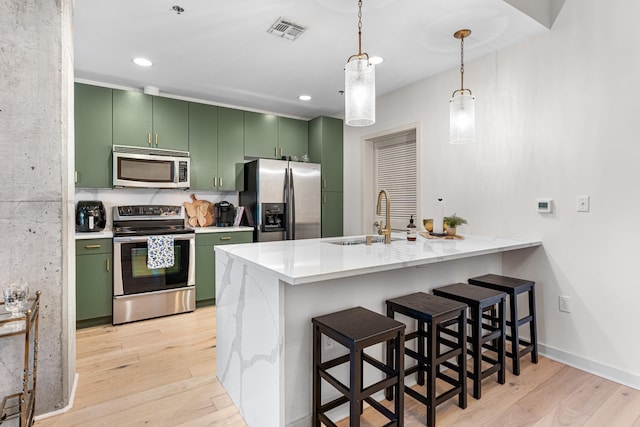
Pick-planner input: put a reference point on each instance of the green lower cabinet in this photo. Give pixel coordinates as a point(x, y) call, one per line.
point(206, 261)
point(94, 277)
point(332, 203)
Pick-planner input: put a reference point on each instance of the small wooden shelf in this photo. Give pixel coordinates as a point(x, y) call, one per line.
point(21, 405)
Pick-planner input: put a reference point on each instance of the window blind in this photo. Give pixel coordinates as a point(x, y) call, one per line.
point(396, 173)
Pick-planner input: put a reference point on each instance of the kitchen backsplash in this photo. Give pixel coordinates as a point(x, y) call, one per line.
point(148, 196)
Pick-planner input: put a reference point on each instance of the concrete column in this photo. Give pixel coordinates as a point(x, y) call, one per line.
point(35, 224)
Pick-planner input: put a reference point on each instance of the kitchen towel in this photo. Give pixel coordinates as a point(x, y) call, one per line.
point(438, 216)
point(160, 252)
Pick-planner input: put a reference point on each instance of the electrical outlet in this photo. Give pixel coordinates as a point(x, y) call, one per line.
point(564, 304)
point(582, 203)
point(327, 343)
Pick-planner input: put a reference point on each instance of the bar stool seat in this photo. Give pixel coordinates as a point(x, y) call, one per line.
point(358, 328)
point(482, 303)
point(441, 335)
point(513, 287)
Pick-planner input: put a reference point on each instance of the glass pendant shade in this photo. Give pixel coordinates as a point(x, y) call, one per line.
point(462, 118)
point(360, 93)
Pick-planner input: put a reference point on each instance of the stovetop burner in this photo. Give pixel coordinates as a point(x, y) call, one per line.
point(149, 220)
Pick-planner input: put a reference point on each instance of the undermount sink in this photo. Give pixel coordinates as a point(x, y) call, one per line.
point(360, 241)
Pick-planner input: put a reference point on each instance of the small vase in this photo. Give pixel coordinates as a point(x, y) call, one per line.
point(451, 231)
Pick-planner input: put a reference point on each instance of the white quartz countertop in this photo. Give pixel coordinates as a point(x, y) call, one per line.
point(304, 261)
point(108, 233)
point(221, 229)
point(104, 234)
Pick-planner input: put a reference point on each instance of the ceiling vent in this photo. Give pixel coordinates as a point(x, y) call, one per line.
point(287, 29)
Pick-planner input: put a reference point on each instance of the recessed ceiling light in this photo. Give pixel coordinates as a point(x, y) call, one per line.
point(143, 62)
point(375, 60)
point(304, 98)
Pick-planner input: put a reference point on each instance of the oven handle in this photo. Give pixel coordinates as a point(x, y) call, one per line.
point(134, 239)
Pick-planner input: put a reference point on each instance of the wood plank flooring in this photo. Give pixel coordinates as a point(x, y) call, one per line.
point(161, 372)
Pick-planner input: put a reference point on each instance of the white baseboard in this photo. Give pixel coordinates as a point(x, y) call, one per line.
point(596, 368)
point(66, 408)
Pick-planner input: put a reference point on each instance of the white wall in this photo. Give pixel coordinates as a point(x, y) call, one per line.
point(556, 117)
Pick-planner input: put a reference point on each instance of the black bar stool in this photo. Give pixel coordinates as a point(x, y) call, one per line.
point(356, 329)
point(514, 287)
point(482, 304)
point(435, 316)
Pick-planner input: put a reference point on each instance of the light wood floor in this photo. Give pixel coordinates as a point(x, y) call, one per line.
point(161, 372)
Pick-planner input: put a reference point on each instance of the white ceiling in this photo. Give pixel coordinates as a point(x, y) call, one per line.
point(220, 51)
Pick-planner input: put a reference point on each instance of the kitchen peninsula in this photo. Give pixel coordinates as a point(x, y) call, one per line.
point(268, 292)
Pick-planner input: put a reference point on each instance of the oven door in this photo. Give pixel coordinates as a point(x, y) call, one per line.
point(132, 276)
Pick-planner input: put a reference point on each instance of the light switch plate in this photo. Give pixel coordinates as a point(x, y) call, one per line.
point(582, 203)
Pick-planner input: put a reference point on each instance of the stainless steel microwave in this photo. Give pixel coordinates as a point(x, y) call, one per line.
point(150, 167)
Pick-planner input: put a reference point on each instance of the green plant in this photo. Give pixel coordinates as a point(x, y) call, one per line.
point(454, 220)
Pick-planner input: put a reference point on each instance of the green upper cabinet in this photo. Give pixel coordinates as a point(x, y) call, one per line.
point(203, 146)
point(325, 147)
point(150, 121)
point(293, 137)
point(170, 123)
point(93, 121)
point(260, 135)
point(230, 149)
point(271, 137)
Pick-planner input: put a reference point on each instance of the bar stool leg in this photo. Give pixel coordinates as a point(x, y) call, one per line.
point(476, 347)
point(462, 360)
point(532, 325)
point(388, 392)
point(515, 335)
point(398, 366)
point(421, 364)
point(317, 345)
point(355, 359)
point(502, 356)
point(432, 372)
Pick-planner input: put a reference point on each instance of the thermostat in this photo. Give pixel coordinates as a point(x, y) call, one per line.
point(544, 205)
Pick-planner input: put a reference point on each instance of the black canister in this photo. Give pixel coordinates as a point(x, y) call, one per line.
point(90, 216)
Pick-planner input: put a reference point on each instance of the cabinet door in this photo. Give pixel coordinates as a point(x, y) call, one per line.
point(332, 154)
point(203, 146)
point(170, 124)
point(93, 136)
point(293, 137)
point(94, 295)
point(132, 118)
point(230, 149)
point(332, 213)
point(261, 135)
point(206, 259)
point(205, 272)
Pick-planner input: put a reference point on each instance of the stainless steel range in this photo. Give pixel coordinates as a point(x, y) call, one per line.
point(143, 289)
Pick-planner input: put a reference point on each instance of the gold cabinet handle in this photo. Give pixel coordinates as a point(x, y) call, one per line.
point(220, 181)
point(324, 199)
point(149, 139)
point(75, 176)
point(156, 139)
point(215, 181)
point(324, 183)
point(92, 246)
point(225, 238)
point(280, 151)
point(108, 264)
point(275, 152)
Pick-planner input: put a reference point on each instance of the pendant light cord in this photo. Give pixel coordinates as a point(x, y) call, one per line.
point(360, 52)
point(462, 63)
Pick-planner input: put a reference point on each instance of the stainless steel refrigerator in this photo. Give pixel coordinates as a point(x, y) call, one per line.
point(283, 199)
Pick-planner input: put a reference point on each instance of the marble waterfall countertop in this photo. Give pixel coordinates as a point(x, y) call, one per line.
point(305, 261)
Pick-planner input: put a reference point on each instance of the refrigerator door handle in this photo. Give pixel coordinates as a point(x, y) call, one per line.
point(285, 199)
point(292, 221)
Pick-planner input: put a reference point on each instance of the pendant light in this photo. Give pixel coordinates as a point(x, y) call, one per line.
point(359, 85)
point(462, 116)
